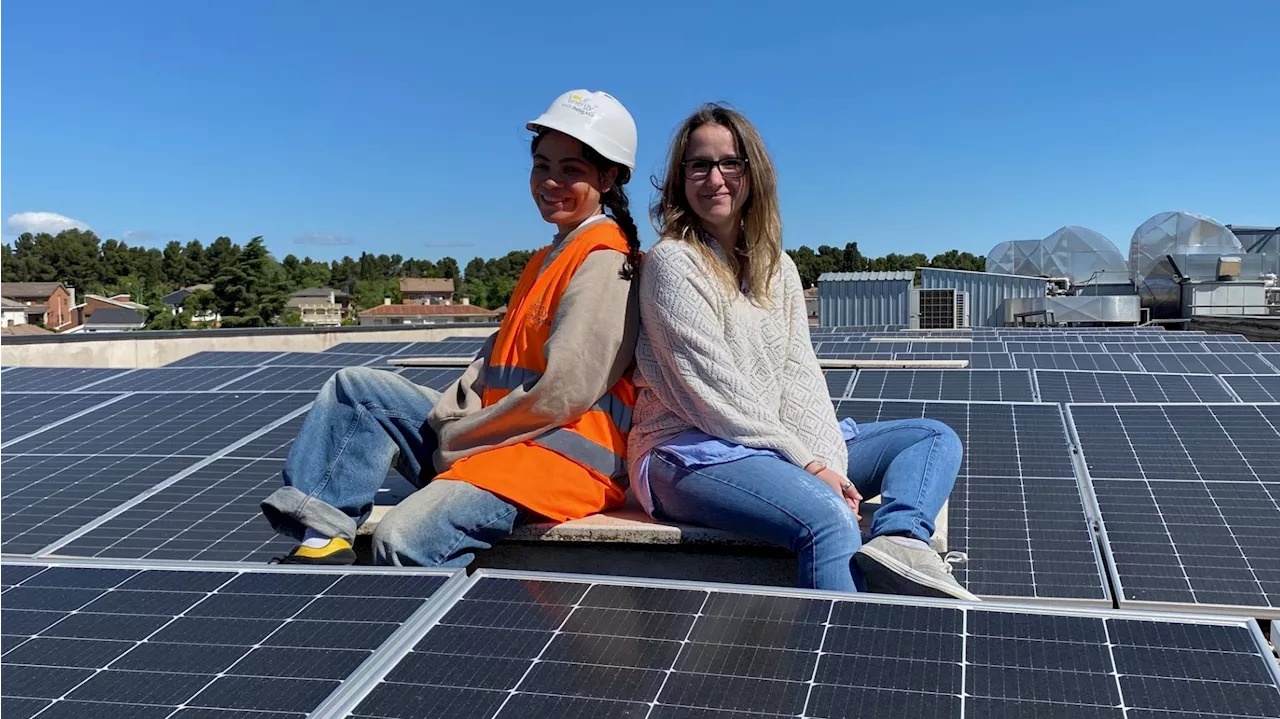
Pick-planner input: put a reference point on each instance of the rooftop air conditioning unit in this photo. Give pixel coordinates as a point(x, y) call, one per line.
point(938, 309)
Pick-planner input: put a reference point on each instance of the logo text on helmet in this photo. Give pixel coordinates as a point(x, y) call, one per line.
point(581, 104)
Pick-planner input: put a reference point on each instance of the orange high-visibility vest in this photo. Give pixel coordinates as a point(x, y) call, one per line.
point(577, 469)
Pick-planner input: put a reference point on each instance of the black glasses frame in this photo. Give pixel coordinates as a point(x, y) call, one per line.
point(715, 164)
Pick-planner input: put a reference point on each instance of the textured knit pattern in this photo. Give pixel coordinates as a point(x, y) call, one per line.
point(711, 360)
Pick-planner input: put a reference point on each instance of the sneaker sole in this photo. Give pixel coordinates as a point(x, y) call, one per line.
point(878, 567)
point(340, 558)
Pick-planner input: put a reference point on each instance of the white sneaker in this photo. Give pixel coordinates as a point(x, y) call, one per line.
point(892, 568)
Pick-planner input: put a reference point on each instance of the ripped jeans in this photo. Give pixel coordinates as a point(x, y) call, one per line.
point(911, 463)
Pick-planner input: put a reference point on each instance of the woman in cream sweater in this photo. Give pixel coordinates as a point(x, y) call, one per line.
point(733, 426)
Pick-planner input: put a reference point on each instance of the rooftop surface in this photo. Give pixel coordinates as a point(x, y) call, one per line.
point(1091, 503)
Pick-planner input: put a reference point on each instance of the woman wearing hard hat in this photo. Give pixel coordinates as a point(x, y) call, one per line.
point(735, 429)
point(538, 424)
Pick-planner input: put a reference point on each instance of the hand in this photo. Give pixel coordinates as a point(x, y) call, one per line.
point(842, 487)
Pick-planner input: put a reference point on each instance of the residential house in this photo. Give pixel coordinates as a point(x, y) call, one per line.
point(426, 290)
point(175, 299)
point(420, 314)
point(14, 313)
point(47, 303)
point(93, 303)
point(114, 319)
point(323, 306)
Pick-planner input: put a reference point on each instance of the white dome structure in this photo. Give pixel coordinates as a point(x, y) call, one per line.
point(1173, 233)
point(1084, 256)
point(1015, 257)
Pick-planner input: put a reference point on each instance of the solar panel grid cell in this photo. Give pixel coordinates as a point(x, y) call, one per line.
point(309, 379)
point(224, 359)
point(838, 381)
point(1216, 363)
point(1254, 387)
point(197, 423)
point(976, 360)
point(1188, 499)
point(1016, 509)
point(60, 379)
point(138, 642)
point(1128, 387)
point(931, 384)
point(25, 412)
point(689, 653)
point(171, 379)
point(1095, 362)
point(49, 496)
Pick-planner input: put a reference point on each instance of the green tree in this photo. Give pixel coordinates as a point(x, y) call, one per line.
point(177, 272)
point(252, 292)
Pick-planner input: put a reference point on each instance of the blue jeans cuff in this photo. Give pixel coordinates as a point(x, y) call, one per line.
point(291, 513)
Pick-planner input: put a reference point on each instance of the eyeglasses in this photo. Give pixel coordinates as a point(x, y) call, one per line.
point(731, 168)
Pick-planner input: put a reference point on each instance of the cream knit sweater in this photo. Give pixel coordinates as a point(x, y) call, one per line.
point(718, 363)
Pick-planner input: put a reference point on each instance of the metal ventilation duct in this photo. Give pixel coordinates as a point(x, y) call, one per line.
point(1173, 233)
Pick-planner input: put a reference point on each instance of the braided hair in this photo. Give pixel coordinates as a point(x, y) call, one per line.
point(616, 201)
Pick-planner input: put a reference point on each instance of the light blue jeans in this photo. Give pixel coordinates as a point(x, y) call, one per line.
point(911, 463)
point(362, 422)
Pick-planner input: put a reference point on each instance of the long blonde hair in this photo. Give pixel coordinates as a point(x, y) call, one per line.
point(751, 268)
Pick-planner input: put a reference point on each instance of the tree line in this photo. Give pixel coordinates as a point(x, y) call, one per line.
point(250, 287)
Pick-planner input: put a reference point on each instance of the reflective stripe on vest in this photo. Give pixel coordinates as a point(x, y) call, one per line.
point(511, 378)
point(585, 452)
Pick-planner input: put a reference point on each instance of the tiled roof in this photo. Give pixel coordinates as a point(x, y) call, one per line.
point(115, 316)
point(25, 330)
point(426, 284)
point(17, 290)
point(422, 310)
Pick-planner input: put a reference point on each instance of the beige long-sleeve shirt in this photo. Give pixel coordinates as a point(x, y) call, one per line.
point(592, 343)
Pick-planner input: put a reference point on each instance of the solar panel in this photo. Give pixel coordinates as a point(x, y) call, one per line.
point(948, 347)
point(212, 514)
point(448, 348)
point(61, 379)
point(437, 378)
point(1189, 501)
point(1218, 363)
point(24, 412)
point(976, 360)
point(114, 641)
point(519, 645)
point(1171, 347)
point(1254, 387)
point(1128, 387)
point(369, 348)
point(309, 379)
point(1265, 347)
point(1054, 347)
point(224, 359)
point(46, 497)
point(1016, 509)
point(838, 382)
point(195, 423)
point(321, 359)
point(171, 379)
point(1012, 385)
point(1095, 362)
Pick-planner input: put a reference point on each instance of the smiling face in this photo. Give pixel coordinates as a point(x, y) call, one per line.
point(565, 186)
point(718, 201)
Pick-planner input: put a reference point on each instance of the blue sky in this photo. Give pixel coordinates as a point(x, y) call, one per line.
point(333, 128)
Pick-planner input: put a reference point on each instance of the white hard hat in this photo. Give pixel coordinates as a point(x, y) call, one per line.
point(595, 119)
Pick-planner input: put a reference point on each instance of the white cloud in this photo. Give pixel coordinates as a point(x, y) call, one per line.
point(36, 222)
point(322, 238)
